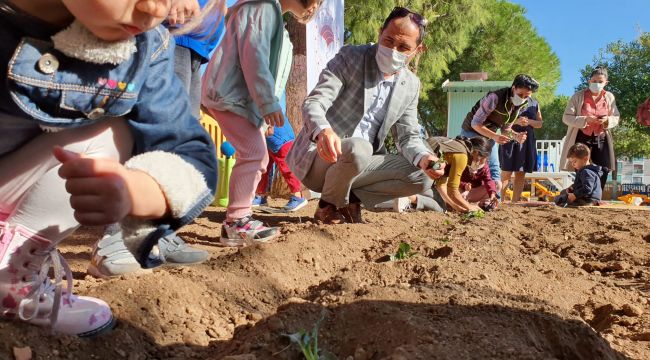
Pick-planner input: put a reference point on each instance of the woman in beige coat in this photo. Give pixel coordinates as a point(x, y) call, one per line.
point(590, 116)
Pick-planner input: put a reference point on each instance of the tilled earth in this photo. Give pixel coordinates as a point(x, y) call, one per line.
point(521, 283)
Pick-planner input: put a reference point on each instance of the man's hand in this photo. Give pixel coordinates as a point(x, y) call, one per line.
point(183, 11)
point(275, 119)
point(328, 145)
point(103, 191)
point(467, 187)
point(425, 163)
point(269, 131)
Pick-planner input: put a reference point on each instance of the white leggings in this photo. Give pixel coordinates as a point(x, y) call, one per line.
point(31, 192)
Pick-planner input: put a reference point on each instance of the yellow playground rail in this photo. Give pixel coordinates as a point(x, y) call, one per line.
point(212, 127)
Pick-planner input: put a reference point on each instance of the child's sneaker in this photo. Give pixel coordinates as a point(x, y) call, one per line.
point(295, 203)
point(401, 204)
point(246, 231)
point(259, 200)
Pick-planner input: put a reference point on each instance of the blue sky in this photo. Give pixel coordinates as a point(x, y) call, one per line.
point(568, 27)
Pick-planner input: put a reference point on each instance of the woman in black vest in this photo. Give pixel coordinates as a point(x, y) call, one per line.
point(499, 110)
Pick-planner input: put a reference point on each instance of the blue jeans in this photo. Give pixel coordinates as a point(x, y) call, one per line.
point(493, 161)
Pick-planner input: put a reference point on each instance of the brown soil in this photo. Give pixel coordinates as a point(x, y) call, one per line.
point(522, 283)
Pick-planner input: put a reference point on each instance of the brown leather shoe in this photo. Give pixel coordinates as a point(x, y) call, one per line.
point(352, 213)
point(328, 215)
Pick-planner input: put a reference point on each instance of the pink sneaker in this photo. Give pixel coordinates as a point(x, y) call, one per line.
point(246, 231)
point(28, 294)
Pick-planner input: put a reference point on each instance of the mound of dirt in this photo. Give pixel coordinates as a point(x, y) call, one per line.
point(521, 283)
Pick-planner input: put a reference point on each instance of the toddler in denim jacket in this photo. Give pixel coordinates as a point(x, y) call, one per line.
point(96, 129)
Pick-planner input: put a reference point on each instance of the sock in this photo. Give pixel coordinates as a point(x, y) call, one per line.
point(353, 198)
point(322, 203)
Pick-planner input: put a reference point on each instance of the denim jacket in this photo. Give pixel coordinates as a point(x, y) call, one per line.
point(60, 92)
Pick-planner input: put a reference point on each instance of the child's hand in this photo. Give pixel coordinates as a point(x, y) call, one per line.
point(275, 119)
point(571, 197)
point(183, 11)
point(103, 191)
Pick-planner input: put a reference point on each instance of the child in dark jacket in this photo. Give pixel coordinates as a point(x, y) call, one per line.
point(586, 189)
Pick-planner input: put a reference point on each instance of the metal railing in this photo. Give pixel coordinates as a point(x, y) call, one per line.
point(549, 153)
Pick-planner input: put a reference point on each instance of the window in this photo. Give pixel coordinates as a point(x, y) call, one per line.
point(638, 169)
point(637, 180)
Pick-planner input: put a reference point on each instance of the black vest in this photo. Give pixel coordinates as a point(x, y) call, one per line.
point(503, 113)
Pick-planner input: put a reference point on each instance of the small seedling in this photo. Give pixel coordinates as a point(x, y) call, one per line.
point(447, 222)
point(477, 214)
point(308, 343)
point(445, 240)
point(403, 252)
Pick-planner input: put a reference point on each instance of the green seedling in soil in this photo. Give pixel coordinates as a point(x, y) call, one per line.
point(308, 343)
point(403, 252)
point(477, 214)
point(445, 240)
point(447, 222)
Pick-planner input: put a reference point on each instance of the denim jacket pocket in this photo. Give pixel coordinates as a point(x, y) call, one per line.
point(94, 106)
point(43, 87)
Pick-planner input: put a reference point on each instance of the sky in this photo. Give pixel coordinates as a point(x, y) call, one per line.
point(578, 29)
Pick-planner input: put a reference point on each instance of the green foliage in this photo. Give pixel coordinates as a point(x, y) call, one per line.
point(628, 65)
point(403, 252)
point(553, 127)
point(507, 44)
point(450, 25)
point(308, 343)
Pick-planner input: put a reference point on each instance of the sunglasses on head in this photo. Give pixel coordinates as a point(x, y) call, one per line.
point(401, 12)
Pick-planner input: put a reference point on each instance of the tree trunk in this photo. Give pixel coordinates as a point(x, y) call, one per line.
point(296, 91)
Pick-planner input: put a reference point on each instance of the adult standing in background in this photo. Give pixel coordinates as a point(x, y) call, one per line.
point(499, 110)
point(590, 115)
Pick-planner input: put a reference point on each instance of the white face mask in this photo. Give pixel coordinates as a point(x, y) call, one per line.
point(596, 88)
point(517, 100)
point(391, 61)
point(475, 166)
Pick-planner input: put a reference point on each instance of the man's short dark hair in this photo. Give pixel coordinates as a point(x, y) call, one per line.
point(416, 18)
point(525, 81)
point(579, 151)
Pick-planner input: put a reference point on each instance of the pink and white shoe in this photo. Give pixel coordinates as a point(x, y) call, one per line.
point(27, 293)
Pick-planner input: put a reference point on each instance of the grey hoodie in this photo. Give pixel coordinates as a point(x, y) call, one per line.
point(242, 73)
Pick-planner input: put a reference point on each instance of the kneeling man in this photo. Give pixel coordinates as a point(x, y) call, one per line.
point(363, 93)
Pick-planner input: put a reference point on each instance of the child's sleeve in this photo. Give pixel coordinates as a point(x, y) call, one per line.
point(257, 26)
point(170, 146)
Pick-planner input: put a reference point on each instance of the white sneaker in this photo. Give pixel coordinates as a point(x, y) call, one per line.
point(401, 204)
point(110, 257)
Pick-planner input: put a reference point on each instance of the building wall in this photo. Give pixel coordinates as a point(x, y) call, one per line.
point(636, 171)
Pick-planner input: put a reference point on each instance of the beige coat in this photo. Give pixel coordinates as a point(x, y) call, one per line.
point(576, 122)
